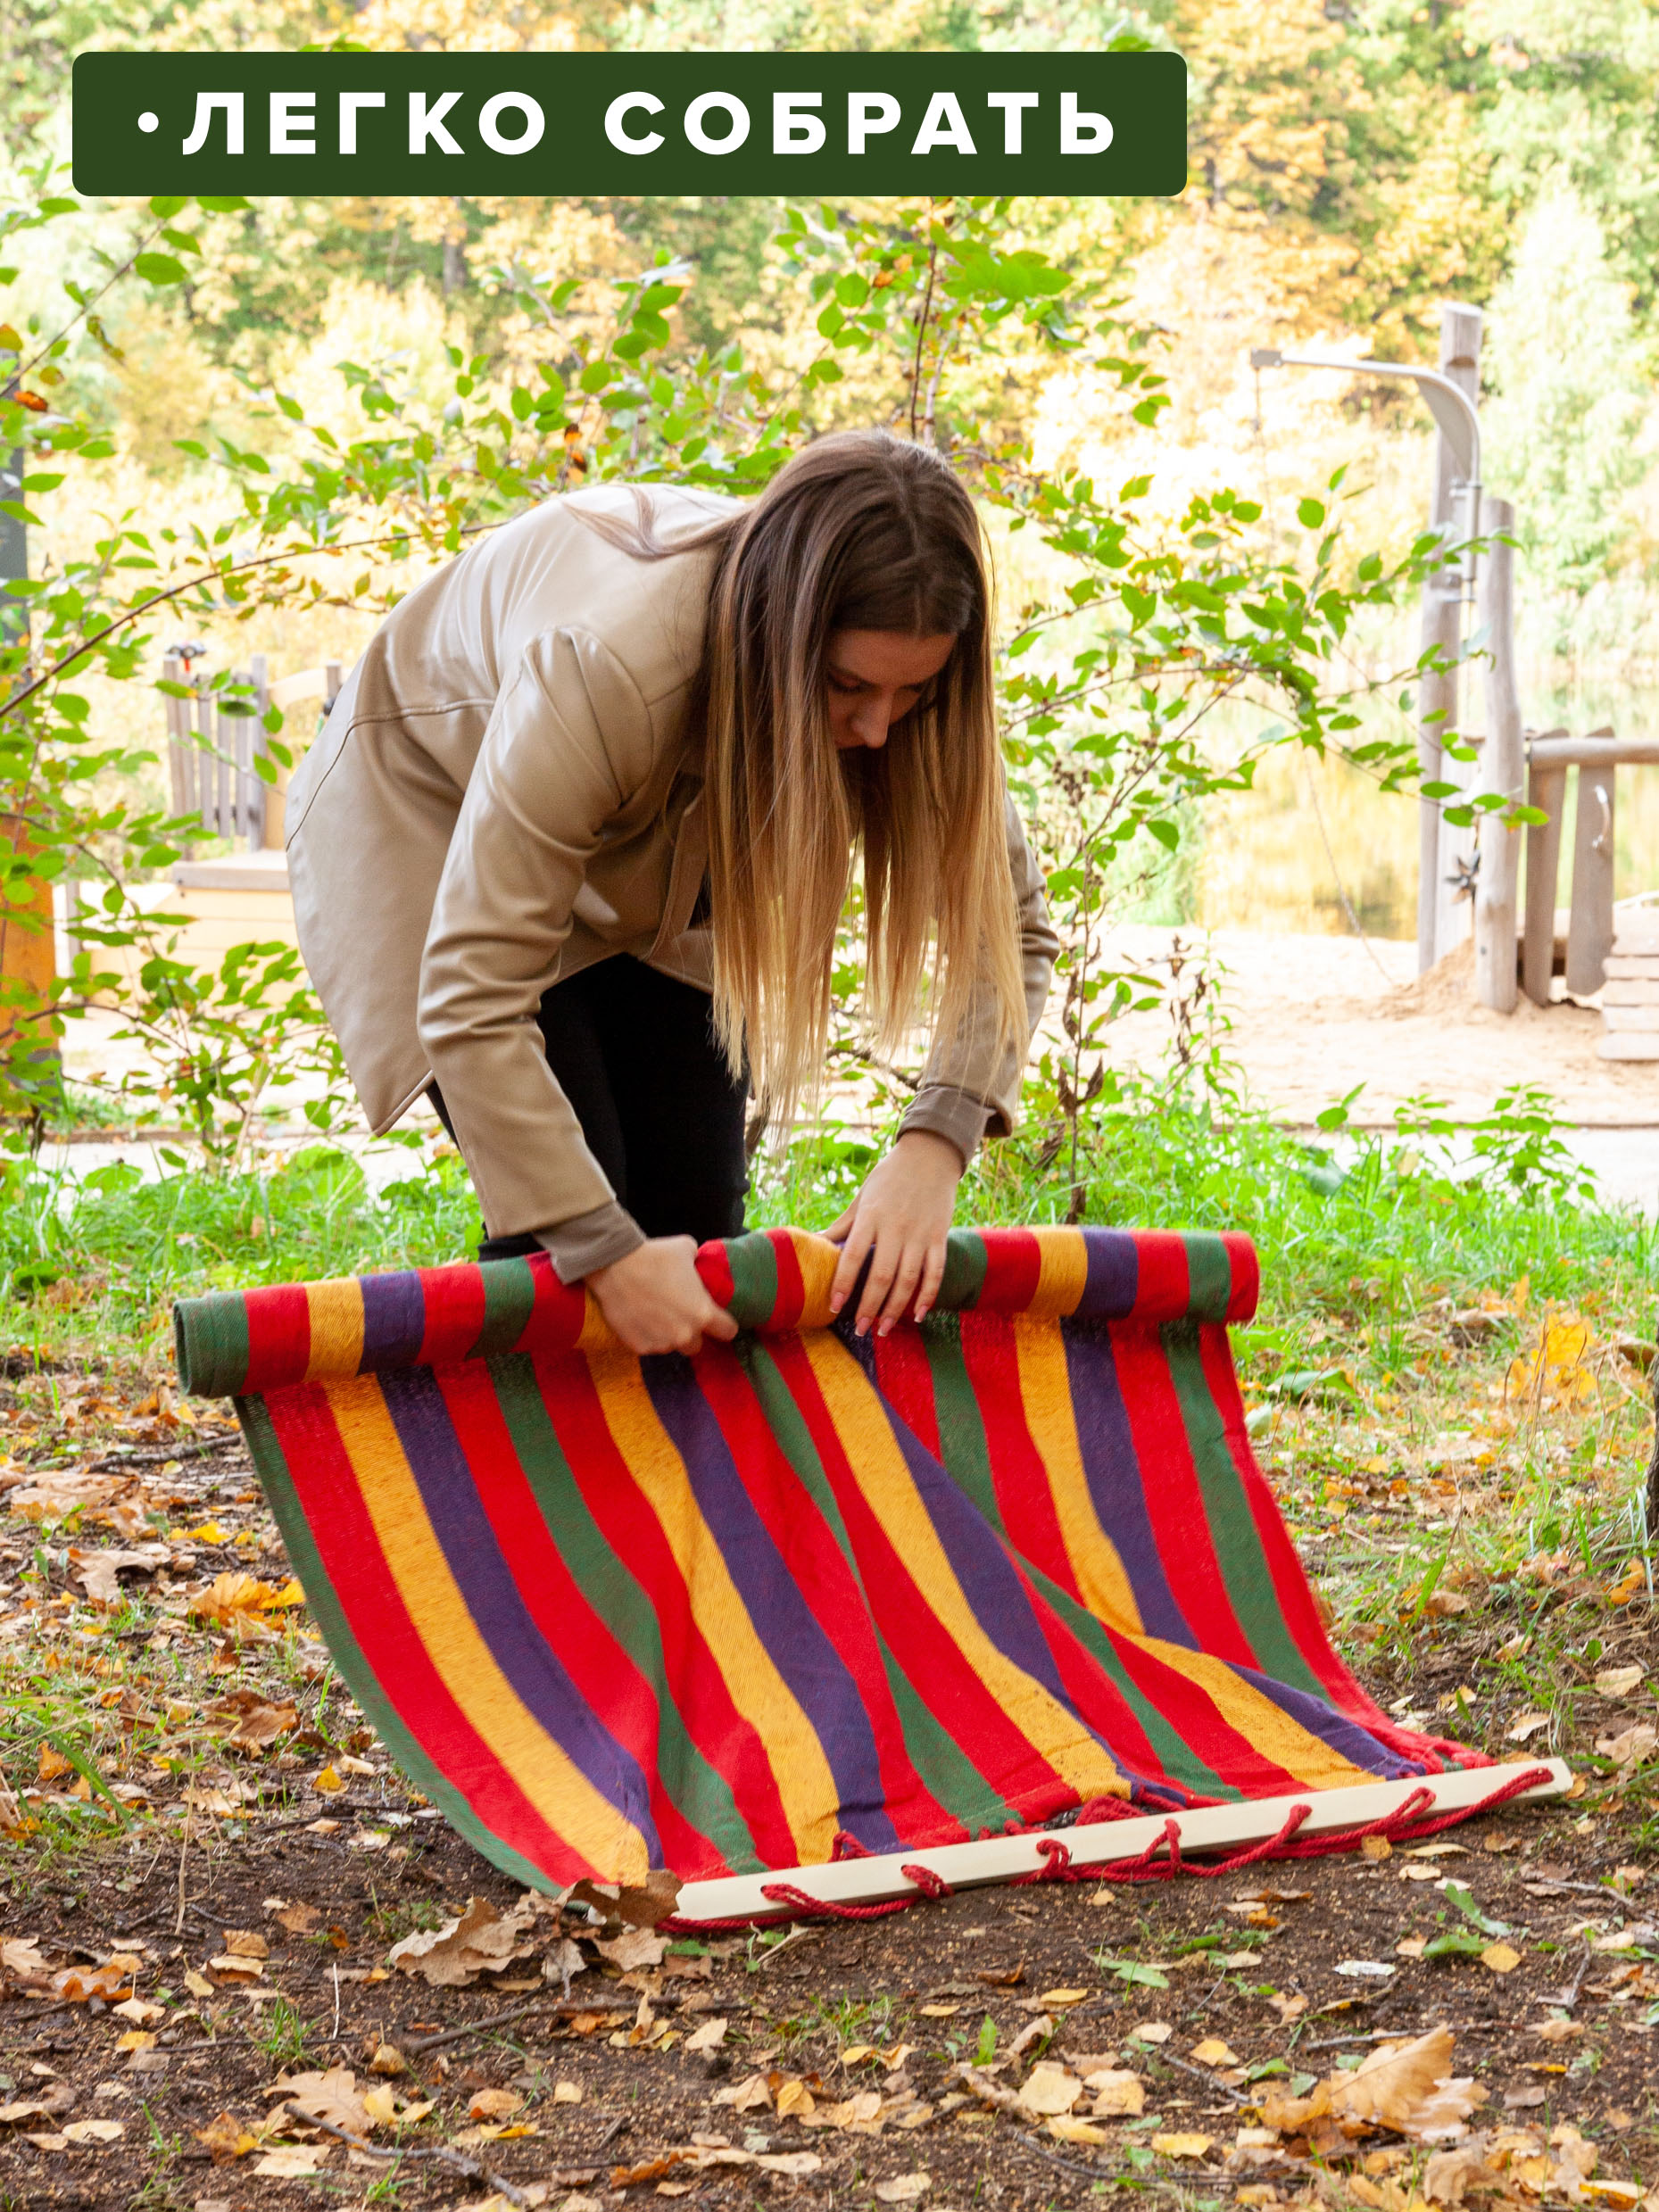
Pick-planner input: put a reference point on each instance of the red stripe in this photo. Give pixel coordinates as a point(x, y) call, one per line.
point(730, 1745)
point(1163, 1286)
point(1246, 1277)
point(1025, 1494)
point(622, 1698)
point(454, 1313)
point(1170, 1485)
point(905, 1377)
point(792, 1292)
point(1013, 1269)
point(556, 1317)
point(279, 1336)
point(934, 1665)
point(1291, 1589)
point(327, 1487)
point(819, 1569)
point(1196, 1718)
point(1090, 1688)
point(716, 1271)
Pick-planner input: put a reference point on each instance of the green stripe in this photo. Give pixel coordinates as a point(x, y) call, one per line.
point(1232, 1530)
point(753, 1262)
point(1209, 1277)
point(948, 1772)
point(210, 1336)
point(965, 1270)
point(508, 1301)
point(962, 1445)
point(355, 1671)
point(698, 1789)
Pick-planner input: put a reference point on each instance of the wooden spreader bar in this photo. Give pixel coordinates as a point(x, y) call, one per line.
point(1227, 1829)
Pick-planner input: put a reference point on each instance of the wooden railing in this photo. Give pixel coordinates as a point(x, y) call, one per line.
point(212, 748)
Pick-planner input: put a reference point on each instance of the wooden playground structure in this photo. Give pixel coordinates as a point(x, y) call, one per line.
point(1603, 949)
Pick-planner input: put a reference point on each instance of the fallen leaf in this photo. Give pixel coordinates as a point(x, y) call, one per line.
point(709, 2036)
point(1288, 2009)
point(634, 1948)
point(1074, 2131)
point(1501, 1958)
point(136, 2039)
point(298, 1920)
point(1062, 1996)
point(246, 1943)
point(795, 2101)
point(228, 1967)
point(383, 2108)
point(1358, 1969)
point(330, 2096)
point(291, 2161)
point(938, 2012)
point(226, 2138)
point(197, 1984)
point(1182, 2145)
point(22, 1960)
point(1631, 1746)
point(749, 2095)
point(1150, 2031)
point(1526, 1724)
point(97, 1571)
point(1376, 1847)
point(495, 2104)
point(1048, 2089)
point(1558, 2030)
point(94, 2130)
point(1213, 2051)
point(1118, 2092)
point(75, 1985)
point(1619, 1681)
point(1451, 2175)
point(254, 1722)
point(478, 1941)
point(904, 2188)
point(570, 2092)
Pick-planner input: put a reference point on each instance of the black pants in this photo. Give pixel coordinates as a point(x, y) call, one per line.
point(635, 1054)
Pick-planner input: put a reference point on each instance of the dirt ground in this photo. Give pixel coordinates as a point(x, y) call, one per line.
point(1215, 1997)
point(1313, 1016)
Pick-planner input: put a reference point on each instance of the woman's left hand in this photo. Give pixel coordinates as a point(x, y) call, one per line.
point(902, 1217)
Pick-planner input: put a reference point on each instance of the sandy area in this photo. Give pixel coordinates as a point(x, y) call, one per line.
point(1311, 1017)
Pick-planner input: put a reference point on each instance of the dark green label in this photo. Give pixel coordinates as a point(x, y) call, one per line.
point(780, 125)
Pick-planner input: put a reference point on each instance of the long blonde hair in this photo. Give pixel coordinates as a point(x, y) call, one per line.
point(859, 532)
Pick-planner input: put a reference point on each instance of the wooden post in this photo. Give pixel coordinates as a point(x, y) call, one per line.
point(1589, 925)
point(1442, 917)
point(1503, 768)
point(1547, 790)
point(29, 957)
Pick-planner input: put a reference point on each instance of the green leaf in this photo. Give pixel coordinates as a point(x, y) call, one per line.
point(160, 269)
point(166, 206)
point(1165, 832)
point(1309, 513)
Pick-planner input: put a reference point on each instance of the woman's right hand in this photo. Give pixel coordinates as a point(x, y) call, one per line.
point(655, 1299)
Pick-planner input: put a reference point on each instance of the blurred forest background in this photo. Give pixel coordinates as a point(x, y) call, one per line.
point(1354, 162)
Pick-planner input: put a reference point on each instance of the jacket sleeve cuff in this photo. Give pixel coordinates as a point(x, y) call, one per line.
point(592, 1241)
point(943, 1111)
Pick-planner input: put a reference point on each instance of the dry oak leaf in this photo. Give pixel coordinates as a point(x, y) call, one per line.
point(750, 2095)
point(634, 1948)
point(331, 2096)
point(1048, 2089)
point(299, 1919)
point(236, 1601)
point(22, 1962)
point(1288, 2009)
point(388, 2060)
point(1118, 2094)
point(478, 1941)
point(1631, 1746)
point(246, 1943)
point(1619, 1681)
point(709, 2036)
point(643, 1906)
point(96, 1571)
point(1405, 2087)
point(251, 1720)
point(292, 2161)
point(495, 2104)
point(226, 2138)
point(1451, 2175)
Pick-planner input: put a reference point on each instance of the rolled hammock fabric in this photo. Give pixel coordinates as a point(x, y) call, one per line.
point(612, 1613)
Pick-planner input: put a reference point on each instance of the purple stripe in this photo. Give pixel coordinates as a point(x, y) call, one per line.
point(1343, 1735)
point(517, 1645)
point(395, 1320)
point(814, 1670)
point(1106, 1443)
point(1113, 1275)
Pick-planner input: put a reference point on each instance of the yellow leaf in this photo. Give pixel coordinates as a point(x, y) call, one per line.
point(1070, 2131)
point(1213, 2051)
point(135, 2039)
point(326, 1781)
point(280, 1600)
point(1118, 2094)
point(493, 2104)
point(1048, 2089)
point(197, 1984)
point(795, 2098)
point(1182, 2145)
point(1500, 1958)
point(1062, 1996)
point(209, 1532)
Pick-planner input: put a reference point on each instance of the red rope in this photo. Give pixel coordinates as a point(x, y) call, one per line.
point(1405, 1824)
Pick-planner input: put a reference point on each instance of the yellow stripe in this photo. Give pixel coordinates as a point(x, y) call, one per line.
point(596, 1334)
point(817, 1259)
point(1055, 1734)
point(1063, 1275)
point(1046, 1393)
point(1262, 1723)
point(557, 1789)
point(805, 1784)
point(336, 1317)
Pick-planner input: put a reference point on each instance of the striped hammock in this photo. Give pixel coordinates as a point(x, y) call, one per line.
point(612, 1615)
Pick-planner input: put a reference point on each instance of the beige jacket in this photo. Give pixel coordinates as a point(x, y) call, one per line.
point(506, 792)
